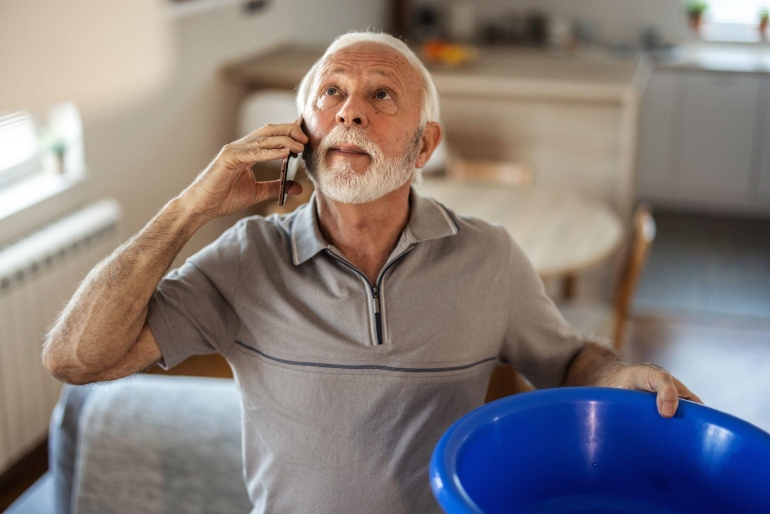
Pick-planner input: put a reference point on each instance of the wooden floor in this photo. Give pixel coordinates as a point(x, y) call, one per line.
point(703, 312)
point(701, 265)
point(17, 479)
point(726, 364)
point(199, 366)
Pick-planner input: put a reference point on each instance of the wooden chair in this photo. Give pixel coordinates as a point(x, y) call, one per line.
point(506, 381)
point(609, 321)
point(606, 321)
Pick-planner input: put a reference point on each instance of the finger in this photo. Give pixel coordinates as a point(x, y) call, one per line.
point(293, 188)
point(261, 142)
point(280, 129)
point(667, 395)
point(272, 188)
point(237, 156)
point(300, 136)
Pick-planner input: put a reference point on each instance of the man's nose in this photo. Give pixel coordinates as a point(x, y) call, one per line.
point(353, 112)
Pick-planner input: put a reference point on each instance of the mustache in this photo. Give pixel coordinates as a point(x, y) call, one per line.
point(342, 135)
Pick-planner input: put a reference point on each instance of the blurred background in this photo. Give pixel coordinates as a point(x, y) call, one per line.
point(624, 144)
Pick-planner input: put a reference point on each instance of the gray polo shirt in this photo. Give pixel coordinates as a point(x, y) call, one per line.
point(347, 386)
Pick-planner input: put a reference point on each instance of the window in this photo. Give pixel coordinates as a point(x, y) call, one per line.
point(41, 156)
point(744, 12)
point(734, 20)
point(32, 145)
point(20, 155)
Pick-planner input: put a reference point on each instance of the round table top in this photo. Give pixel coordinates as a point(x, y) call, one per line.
point(560, 232)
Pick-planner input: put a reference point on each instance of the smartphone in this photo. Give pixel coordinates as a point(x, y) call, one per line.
point(289, 166)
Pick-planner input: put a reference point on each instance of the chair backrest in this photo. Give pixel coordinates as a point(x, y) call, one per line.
point(642, 236)
point(505, 381)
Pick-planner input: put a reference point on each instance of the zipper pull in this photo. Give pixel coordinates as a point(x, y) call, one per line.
point(376, 297)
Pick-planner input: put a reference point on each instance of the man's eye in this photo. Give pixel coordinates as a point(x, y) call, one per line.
point(382, 95)
point(331, 91)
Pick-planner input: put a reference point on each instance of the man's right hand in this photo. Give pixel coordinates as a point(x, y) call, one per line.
point(103, 333)
point(227, 185)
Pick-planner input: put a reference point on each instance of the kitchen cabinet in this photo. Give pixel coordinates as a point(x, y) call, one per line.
point(704, 141)
point(657, 134)
point(762, 180)
point(569, 145)
point(719, 120)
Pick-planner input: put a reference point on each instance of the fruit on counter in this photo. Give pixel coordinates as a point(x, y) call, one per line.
point(438, 50)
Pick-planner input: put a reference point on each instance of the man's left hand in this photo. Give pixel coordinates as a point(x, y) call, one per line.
point(649, 377)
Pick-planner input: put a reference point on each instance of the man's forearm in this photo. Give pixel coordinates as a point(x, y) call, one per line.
point(594, 365)
point(107, 313)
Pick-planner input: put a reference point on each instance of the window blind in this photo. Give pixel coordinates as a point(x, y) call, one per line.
point(19, 148)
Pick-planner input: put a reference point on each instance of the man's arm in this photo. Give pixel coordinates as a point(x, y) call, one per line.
point(102, 333)
point(597, 365)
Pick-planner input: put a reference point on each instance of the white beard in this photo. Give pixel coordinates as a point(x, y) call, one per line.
point(341, 183)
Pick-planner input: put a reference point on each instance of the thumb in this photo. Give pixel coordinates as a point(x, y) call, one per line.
point(272, 188)
point(661, 382)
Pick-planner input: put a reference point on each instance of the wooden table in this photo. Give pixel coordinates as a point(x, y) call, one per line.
point(562, 233)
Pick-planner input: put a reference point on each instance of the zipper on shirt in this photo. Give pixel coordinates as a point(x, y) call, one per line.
point(377, 315)
point(375, 289)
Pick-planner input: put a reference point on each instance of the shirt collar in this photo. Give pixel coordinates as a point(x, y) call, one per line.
point(306, 237)
point(428, 220)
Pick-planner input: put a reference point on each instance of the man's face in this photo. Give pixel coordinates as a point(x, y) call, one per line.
point(363, 123)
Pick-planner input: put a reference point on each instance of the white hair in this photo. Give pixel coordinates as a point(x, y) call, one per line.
point(429, 110)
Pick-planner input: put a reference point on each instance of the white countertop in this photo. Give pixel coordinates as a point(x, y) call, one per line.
point(590, 75)
point(703, 56)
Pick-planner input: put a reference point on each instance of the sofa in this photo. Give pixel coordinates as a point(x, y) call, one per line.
point(145, 444)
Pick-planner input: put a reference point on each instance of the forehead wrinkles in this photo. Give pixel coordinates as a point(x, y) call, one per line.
point(372, 60)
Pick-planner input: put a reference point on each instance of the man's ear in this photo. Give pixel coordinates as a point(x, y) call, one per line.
point(431, 137)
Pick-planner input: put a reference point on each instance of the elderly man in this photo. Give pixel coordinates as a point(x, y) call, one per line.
point(358, 327)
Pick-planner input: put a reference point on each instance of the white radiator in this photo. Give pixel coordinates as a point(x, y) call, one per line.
point(38, 275)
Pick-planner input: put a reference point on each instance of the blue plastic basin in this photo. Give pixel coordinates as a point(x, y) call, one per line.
point(599, 450)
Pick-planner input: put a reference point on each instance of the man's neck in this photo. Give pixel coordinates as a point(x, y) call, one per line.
point(365, 233)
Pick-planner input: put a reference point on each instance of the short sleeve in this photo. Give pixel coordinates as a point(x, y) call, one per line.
point(539, 342)
point(191, 311)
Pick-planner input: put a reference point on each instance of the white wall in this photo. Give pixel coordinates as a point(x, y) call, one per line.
point(146, 155)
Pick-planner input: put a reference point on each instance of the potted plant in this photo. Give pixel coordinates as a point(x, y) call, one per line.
point(695, 10)
point(53, 148)
point(764, 16)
